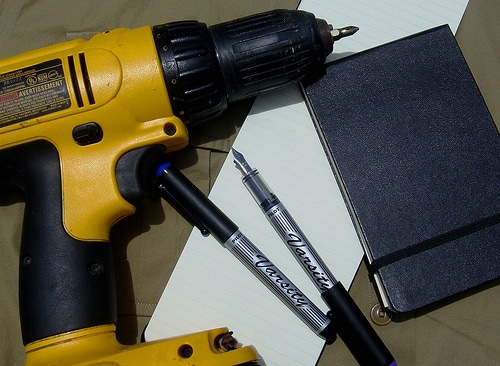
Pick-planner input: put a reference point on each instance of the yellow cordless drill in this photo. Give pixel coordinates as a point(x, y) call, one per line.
point(80, 120)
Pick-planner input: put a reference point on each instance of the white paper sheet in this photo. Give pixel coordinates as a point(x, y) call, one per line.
point(209, 287)
point(382, 21)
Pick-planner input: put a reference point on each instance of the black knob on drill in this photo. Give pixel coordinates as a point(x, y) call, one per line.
point(206, 68)
point(191, 70)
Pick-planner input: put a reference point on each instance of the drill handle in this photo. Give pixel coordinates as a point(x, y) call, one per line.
point(64, 284)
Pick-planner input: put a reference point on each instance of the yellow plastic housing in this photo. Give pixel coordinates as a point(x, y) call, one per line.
point(98, 346)
point(114, 80)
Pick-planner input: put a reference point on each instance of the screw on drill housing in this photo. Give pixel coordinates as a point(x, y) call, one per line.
point(226, 342)
point(186, 351)
point(170, 129)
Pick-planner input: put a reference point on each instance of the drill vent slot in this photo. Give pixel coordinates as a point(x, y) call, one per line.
point(74, 81)
point(86, 80)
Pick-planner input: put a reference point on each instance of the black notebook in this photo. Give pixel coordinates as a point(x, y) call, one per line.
point(417, 155)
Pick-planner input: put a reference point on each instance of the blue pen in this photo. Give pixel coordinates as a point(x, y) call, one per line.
point(363, 342)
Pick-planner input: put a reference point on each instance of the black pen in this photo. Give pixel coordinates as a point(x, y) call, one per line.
point(197, 208)
point(352, 326)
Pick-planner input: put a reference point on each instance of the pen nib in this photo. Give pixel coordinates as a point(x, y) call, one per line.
point(240, 162)
point(338, 33)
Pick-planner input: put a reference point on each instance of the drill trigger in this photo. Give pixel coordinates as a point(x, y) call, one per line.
point(133, 174)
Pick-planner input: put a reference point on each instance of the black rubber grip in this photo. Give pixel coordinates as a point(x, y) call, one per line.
point(205, 68)
point(268, 50)
point(64, 284)
point(191, 70)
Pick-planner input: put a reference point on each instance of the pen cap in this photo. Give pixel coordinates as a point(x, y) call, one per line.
point(192, 203)
point(354, 330)
point(259, 190)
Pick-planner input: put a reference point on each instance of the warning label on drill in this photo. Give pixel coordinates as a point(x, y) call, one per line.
point(32, 92)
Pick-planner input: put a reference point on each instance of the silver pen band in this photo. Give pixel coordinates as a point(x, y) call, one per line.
point(248, 254)
point(295, 240)
point(288, 230)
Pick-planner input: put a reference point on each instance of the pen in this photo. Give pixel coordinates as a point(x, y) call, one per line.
point(351, 325)
point(184, 196)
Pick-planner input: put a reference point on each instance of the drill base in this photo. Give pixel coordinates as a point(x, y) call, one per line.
point(98, 346)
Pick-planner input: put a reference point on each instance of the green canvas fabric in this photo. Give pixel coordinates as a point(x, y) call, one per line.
point(147, 245)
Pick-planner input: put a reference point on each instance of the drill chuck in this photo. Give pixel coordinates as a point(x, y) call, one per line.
point(205, 68)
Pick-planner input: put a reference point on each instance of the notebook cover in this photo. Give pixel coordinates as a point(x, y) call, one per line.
point(417, 155)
